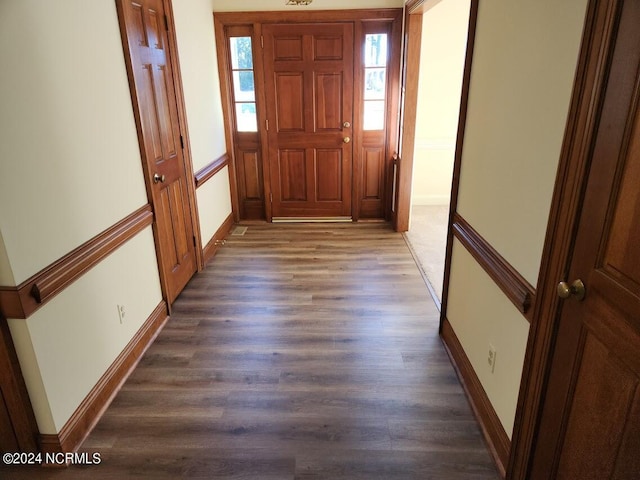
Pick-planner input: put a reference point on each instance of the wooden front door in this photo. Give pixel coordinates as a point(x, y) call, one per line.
point(144, 25)
point(590, 424)
point(309, 85)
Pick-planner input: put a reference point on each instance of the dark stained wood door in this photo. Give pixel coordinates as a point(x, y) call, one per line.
point(309, 85)
point(145, 26)
point(590, 424)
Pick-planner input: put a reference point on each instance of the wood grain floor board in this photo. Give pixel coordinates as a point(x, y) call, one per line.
point(302, 352)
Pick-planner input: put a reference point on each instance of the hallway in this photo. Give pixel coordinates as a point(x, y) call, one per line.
point(303, 351)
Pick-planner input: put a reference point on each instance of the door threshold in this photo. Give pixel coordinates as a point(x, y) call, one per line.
point(312, 219)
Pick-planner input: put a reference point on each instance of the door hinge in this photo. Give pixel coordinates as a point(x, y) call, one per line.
point(271, 197)
point(267, 124)
point(261, 41)
point(195, 243)
point(181, 142)
point(166, 23)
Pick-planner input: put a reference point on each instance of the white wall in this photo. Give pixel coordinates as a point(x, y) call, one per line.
point(70, 168)
point(442, 53)
point(201, 85)
point(524, 63)
point(267, 5)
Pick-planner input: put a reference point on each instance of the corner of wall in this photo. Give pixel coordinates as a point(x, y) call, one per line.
point(6, 273)
point(31, 372)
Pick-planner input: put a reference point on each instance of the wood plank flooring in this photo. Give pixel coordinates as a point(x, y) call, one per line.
point(302, 352)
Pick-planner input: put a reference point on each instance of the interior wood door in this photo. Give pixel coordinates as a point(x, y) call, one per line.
point(144, 24)
point(309, 84)
point(590, 423)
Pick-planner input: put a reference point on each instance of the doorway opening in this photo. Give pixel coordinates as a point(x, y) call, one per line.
point(442, 50)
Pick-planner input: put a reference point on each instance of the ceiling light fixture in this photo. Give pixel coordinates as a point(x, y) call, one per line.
point(298, 2)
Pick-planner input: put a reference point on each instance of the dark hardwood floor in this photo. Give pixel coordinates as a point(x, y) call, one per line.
point(302, 352)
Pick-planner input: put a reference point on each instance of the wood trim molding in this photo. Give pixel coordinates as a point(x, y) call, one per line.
point(218, 239)
point(457, 164)
point(411, 74)
point(584, 115)
point(96, 402)
point(246, 18)
point(494, 433)
point(514, 285)
point(13, 392)
point(420, 6)
point(26, 298)
point(207, 172)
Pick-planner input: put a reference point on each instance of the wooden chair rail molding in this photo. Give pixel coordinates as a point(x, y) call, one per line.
point(26, 298)
point(210, 170)
point(515, 287)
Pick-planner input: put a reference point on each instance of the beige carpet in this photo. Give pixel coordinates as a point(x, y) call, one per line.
point(427, 237)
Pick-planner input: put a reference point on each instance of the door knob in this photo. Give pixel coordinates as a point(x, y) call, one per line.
point(576, 289)
point(158, 178)
point(346, 139)
point(346, 124)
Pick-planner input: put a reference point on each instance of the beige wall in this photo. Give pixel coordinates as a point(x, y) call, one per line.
point(266, 5)
point(6, 274)
point(444, 40)
point(214, 200)
point(201, 86)
point(69, 158)
point(69, 343)
point(70, 168)
point(523, 67)
point(200, 80)
point(481, 315)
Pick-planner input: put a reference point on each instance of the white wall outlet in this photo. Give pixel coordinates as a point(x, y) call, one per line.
point(121, 313)
point(491, 358)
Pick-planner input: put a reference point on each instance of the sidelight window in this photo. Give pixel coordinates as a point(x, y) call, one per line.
point(375, 80)
point(244, 91)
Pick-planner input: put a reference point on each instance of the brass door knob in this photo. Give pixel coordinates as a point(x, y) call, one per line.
point(158, 178)
point(346, 124)
point(576, 289)
point(346, 139)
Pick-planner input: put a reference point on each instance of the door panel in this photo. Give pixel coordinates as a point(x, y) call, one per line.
point(290, 101)
point(590, 424)
point(309, 85)
point(145, 29)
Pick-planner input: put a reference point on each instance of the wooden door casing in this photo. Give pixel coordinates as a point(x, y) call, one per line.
point(309, 85)
point(144, 27)
point(590, 420)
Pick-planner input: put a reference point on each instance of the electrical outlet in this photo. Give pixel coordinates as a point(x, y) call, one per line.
point(491, 358)
point(121, 313)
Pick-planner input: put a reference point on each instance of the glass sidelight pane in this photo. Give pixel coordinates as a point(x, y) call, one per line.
point(244, 91)
point(246, 118)
point(374, 115)
point(243, 86)
point(241, 55)
point(375, 83)
point(375, 50)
